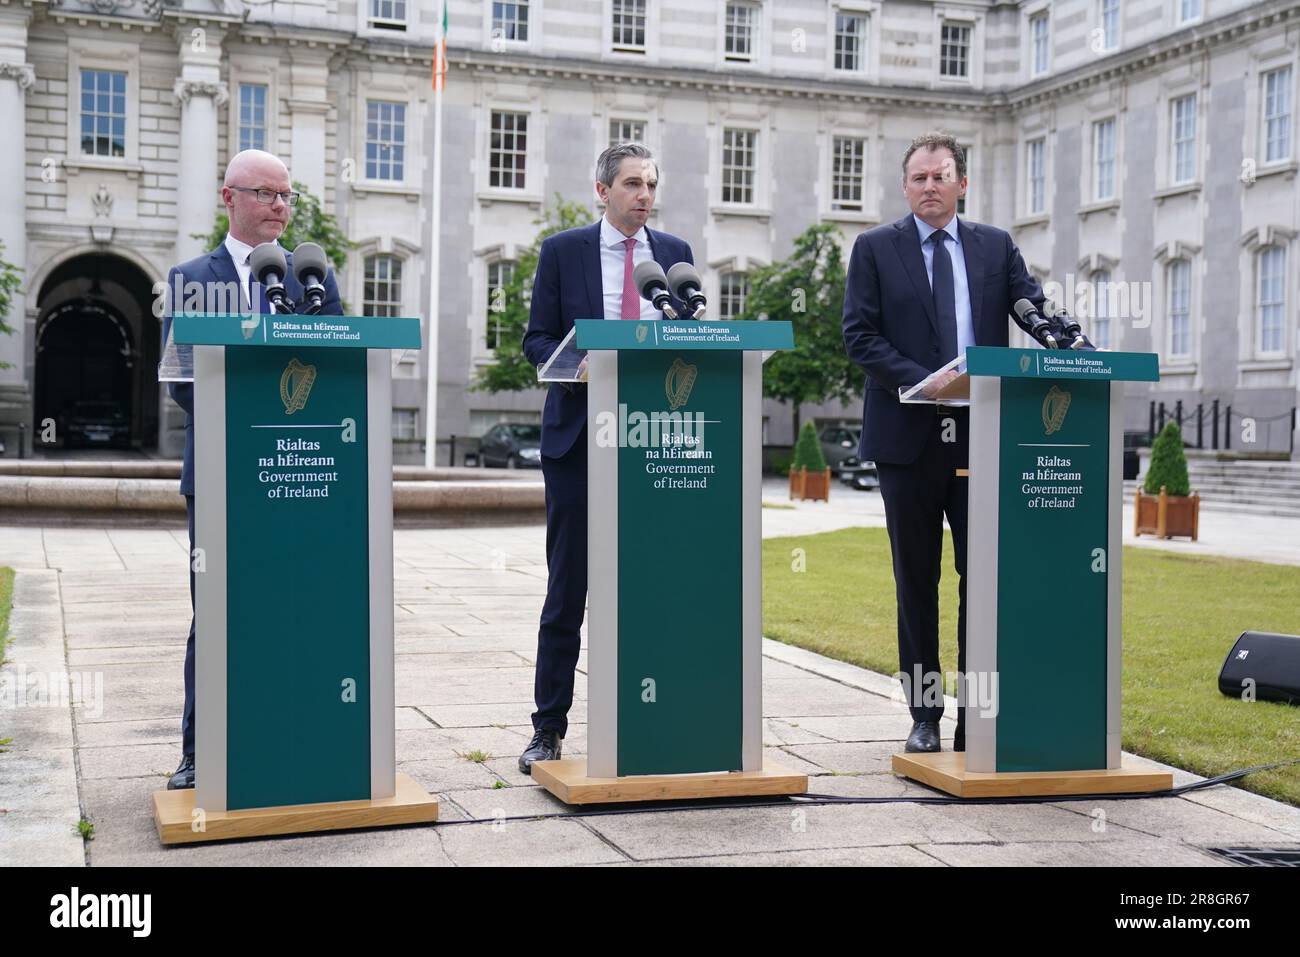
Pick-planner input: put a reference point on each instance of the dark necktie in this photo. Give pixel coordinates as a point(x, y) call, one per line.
point(945, 296)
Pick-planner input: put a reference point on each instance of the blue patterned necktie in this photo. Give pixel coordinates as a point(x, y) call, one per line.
point(945, 296)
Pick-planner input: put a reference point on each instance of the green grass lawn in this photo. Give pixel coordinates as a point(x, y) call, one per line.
point(6, 603)
point(1181, 617)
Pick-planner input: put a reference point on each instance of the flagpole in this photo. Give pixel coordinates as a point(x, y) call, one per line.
point(435, 245)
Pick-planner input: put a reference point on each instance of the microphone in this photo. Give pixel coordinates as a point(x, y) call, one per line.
point(1031, 320)
point(684, 282)
point(269, 269)
point(1069, 326)
point(310, 267)
point(652, 284)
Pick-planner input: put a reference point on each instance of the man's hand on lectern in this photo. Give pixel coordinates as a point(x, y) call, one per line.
point(939, 383)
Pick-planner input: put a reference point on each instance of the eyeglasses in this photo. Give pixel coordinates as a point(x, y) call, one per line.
point(267, 196)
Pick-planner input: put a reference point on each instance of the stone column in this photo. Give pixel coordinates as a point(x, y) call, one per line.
point(16, 78)
point(201, 93)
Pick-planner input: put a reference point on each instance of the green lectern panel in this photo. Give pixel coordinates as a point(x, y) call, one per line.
point(298, 633)
point(679, 562)
point(1052, 593)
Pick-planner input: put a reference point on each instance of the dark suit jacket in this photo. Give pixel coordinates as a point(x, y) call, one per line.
point(568, 286)
point(891, 332)
point(217, 266)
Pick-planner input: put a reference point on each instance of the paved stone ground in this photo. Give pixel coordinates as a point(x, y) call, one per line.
point(114, 603)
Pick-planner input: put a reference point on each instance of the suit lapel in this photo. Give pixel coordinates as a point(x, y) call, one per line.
point(907, 243)
point(223, 270)
point(591, 270)
point(972, 245)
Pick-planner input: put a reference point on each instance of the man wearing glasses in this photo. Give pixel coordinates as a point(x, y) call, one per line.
point(259, 200)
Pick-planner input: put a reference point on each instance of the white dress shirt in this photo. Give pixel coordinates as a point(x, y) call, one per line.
point(239, 253)
point(613, 254)
point(960, 285)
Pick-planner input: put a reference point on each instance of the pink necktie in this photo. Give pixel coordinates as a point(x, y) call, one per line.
point(631, 300)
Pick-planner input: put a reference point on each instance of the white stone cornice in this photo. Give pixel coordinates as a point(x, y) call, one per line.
point(23, 73)
point(183, 89)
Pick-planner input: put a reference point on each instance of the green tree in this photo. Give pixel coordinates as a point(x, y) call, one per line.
point(10, 283)
point(808, 290)
point(808, 451)
point(510, 370)
point(1168, 463)
point(310, 223)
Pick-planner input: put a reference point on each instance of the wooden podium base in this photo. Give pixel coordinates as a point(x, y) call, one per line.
point(946, 770)
point(173, 812)
point(567, 780)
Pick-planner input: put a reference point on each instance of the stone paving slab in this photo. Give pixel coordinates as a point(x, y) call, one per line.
point(114, 604)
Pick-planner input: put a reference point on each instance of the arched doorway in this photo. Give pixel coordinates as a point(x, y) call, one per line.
point(97, 355)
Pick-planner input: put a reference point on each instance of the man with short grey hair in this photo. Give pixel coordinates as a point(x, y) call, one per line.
point(583, 273)
point(911, 305)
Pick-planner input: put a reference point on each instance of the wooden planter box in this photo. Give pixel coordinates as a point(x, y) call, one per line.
point(813, 485)
point(1166, 515)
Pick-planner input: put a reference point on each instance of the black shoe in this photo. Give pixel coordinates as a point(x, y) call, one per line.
point(924, 737)
point(183, 779)
point(545, 746)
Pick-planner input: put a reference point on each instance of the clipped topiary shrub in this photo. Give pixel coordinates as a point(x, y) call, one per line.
point(808, 451)
point(1168, 464)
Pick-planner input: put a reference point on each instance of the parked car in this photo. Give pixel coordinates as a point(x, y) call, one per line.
point(839, 442)
point(858, 474)
point(96, 422)
point(511, 445)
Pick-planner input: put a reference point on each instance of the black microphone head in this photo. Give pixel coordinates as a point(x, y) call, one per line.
point(682, 278)
point(266, 259)
point(1023, 306)
point(309, 263)
point(648, 276)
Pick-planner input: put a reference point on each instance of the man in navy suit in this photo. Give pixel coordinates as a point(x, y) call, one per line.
point(259, 200)
point(918, 292)
point(583, 273)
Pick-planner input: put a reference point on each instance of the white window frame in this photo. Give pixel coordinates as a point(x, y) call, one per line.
point(1181, 19)
point(1099, 27)
point(759, 39)
point(1029, 211)
point(524, 99)
point(869, 70)
point(1176, 177)
point(1262, 118)
point(416, 434)
point(363, 173)
point(259, 71)
point(372, 21)
point(1101, 303)
point(367, 29)
point(389, 88)
point(722, 274)
point(832, 211)
point(1038, 13)
point(1168, 308)
point(944, 19)
point(488, 264)
point(95, 53)
point(499, 44)
point(648, 54)
point(756, 152)
point(477, 320)
point(1257, 305)
point(1095, 162)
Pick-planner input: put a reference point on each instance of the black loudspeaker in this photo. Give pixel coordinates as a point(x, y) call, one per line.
point(1271, 661)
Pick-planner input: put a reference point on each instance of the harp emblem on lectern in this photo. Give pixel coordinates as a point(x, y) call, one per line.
point(1055, 406)
point(295, 385)
point(679, 382)
point(641, 331)
point(1024, 363)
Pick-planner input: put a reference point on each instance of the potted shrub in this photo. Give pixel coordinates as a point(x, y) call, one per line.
point(810, 477)
point(1165, 505)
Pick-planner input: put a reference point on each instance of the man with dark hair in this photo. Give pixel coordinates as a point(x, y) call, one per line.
point(583, 273)
point(259, 200)
point(918, 292)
